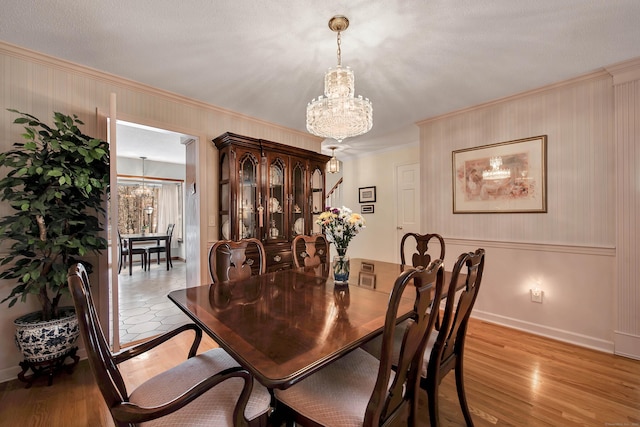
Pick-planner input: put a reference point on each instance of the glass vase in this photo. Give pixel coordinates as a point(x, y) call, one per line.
point(341, 269)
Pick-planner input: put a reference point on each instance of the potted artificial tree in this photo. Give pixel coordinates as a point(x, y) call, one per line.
point(55, 183)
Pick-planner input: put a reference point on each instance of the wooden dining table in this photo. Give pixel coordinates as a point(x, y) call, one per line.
point(285, 325)
point(147, 237)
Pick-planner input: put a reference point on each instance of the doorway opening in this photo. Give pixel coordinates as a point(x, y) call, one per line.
point(151, 169)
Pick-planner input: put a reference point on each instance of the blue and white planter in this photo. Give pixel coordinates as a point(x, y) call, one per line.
point(41, 341)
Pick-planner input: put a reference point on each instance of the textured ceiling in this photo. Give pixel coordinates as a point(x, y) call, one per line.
point(413, 59)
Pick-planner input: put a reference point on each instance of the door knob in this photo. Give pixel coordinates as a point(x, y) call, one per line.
point(399, 227)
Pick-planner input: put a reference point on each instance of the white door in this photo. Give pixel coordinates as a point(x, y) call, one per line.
point(408, 201)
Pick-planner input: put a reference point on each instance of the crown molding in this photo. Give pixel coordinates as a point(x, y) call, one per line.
point(599, 74)
point(102, 76)
point(624, 72)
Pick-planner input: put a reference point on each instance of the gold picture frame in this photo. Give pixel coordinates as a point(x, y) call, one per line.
point(506, 177)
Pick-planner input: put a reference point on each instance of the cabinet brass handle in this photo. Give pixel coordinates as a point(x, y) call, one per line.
point(277, 258)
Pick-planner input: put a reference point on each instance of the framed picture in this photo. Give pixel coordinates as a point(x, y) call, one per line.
point(505, 177)
point(367, 267)
point(366, 209)
point(367, 280)
point(367, 194)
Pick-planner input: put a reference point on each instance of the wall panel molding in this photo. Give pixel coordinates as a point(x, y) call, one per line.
point(627, 130)
point(537, 247)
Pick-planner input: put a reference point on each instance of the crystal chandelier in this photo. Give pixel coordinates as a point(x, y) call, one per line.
point(142, 190)
point(333, 165)
point(339, 114)
point(496, 172)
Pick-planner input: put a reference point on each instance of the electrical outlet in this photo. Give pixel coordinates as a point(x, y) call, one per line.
point(536, 295)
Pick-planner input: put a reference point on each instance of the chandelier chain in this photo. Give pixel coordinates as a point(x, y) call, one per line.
point(339, 50)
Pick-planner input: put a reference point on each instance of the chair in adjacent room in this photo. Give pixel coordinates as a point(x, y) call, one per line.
point(359, 389)
point(310, 251)
point(161, 247)
point(231, 260)
point(123, 256)
point(421, 254)
point(207, 389)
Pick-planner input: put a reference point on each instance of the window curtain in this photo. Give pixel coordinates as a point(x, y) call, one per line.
point(169, 211)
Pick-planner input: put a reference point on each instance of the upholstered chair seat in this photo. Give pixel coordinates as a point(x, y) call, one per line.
point(214, 407)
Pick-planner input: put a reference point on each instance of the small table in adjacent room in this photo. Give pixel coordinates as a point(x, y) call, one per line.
point(147, 237)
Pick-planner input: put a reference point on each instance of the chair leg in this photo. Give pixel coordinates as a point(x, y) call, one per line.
point(119, 264)
point(462, 397)
point(431, 387)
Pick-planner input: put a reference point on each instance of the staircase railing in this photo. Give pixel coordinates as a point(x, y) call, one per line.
point(334, 193)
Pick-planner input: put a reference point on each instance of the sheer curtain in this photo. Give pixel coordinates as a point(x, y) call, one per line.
point(169, 211)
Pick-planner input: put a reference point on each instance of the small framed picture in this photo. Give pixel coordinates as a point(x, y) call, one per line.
point(367, 267)
point(366, 209)
point(367, 194)
point(367, 280)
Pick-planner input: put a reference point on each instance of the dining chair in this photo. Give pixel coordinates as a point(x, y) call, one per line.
point(310, 251)
point(445, 349)
point(231, 260)
point(160, 247)
point(207, 389)
point(360, 390)
point(447, 353)
point(123, 256)
point(421, 254)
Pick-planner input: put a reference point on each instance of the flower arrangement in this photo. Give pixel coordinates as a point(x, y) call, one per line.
point(340, 225)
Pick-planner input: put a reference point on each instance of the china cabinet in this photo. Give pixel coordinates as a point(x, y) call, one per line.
point(269, 191)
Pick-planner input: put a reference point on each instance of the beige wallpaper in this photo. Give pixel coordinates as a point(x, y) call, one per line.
point(40, 85)
point(577, 119)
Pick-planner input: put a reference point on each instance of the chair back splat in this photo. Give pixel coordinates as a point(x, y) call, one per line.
point(421, 255)
point(448, 350)
point(310, 251)
point(103, 364)
point(387, 403)
point(235, 260)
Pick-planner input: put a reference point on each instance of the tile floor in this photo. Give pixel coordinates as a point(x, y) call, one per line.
point(145, 309)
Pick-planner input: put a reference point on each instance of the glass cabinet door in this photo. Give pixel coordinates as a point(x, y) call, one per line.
point(299, 205)
point(317, 198)
point(225, 200)
point(247, 197)
point(277, 203)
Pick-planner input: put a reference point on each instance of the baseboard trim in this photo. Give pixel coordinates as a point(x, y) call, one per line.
point(545, 331)
point(627, 345)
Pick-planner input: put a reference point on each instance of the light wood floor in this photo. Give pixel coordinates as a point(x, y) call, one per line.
point(512, 379)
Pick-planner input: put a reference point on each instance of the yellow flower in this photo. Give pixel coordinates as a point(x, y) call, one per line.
point(355, 218)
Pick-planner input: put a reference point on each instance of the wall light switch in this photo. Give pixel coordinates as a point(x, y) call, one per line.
point(212, 220)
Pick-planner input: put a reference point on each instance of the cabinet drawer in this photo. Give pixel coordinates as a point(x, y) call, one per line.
point(279, 259)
